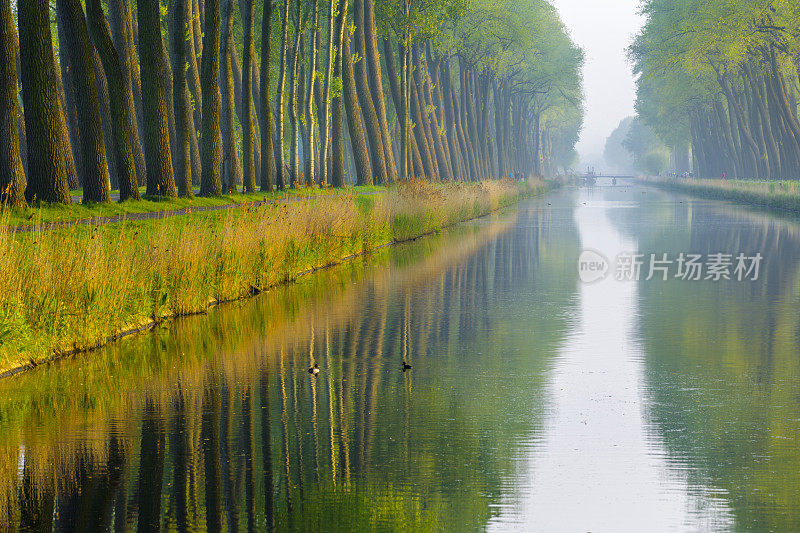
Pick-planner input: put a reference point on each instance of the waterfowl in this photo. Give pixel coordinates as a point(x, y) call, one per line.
point(314, 370)
point(406, 366)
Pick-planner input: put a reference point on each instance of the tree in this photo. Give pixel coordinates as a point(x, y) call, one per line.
point(721, 88)
point(308, 104)
point(267, 152)
point(615, 154)
point(211, 151)
point(325, 113)
point(376, 86)
point(364, 102)
point(248, 126)
point(279, 162)
point(230, 160)
point(337, 102)
point(12, 173)
point(355, 125)
point(160, 177)
point(95, 181)
point(122, 32)
point(44, 121)
point(180, 35)
point(123, 120)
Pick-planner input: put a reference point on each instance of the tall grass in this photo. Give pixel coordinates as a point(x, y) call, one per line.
point(777, 194)
point(73, 289)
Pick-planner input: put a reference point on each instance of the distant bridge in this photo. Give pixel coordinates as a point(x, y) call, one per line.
point(618, 176)
point(590, 179)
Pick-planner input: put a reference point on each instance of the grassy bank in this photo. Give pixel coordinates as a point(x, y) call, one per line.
point(72, 289)
point(774, 194)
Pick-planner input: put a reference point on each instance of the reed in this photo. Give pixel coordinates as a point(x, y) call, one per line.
point(68, 290)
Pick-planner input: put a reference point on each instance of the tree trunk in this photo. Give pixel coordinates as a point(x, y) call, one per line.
point(419, 131)
point(366, 105)
point(354, 123)
point(267, 152)
point(170, 101)
point(192, 53)
point(248, 129)
point(443, 92)
point(72, 170)
point(160, 178)
point(44, 120)
point(442, 159)
point(12, 174)
point(399, 105)
point(376, 85)
point(294, 116)
point(23, 142)
point(180, 94)
point(429, 122)
point(121, 118)
point(770, 145)
point(462, 140)
point(308, 104)
point(120, 12)
point(66, 73)
point(198, 20)
point(87, 104)
point(230, 160)
point(325, 125)
point(105, 117)
point(211, 151)
point(237, 91)
point(280, 166)
point(337, 104)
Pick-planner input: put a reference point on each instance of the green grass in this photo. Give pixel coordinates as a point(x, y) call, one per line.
point(773, 194)
point(72, 289)
point(46, 213)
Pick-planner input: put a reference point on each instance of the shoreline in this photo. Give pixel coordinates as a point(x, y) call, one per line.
point(770, 195)
point(27, 363)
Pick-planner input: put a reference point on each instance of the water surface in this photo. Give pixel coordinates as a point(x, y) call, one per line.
point(534, 401)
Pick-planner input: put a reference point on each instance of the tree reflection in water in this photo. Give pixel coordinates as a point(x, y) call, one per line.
point(212, 422)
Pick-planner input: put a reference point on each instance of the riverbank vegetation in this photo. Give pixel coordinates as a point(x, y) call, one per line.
point(721, 78)
point(66, 290)
point(233, 96)
point(772, 193)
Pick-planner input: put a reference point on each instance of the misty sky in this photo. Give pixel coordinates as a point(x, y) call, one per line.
point(603, 28)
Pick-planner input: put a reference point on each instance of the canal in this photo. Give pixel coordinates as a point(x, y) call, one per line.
point(535, 399)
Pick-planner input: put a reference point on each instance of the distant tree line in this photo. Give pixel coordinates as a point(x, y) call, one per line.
point(634, 147)
point(721, 77)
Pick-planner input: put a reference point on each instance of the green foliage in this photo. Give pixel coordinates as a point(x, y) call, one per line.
point(654, 162)
point(688, 49)
point(336, 87)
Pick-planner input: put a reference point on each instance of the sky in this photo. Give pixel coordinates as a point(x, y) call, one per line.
point(603, 28)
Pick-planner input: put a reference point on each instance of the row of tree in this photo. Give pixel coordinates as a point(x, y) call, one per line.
point(129, 95)
point(634, 147)
point(721, 76)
